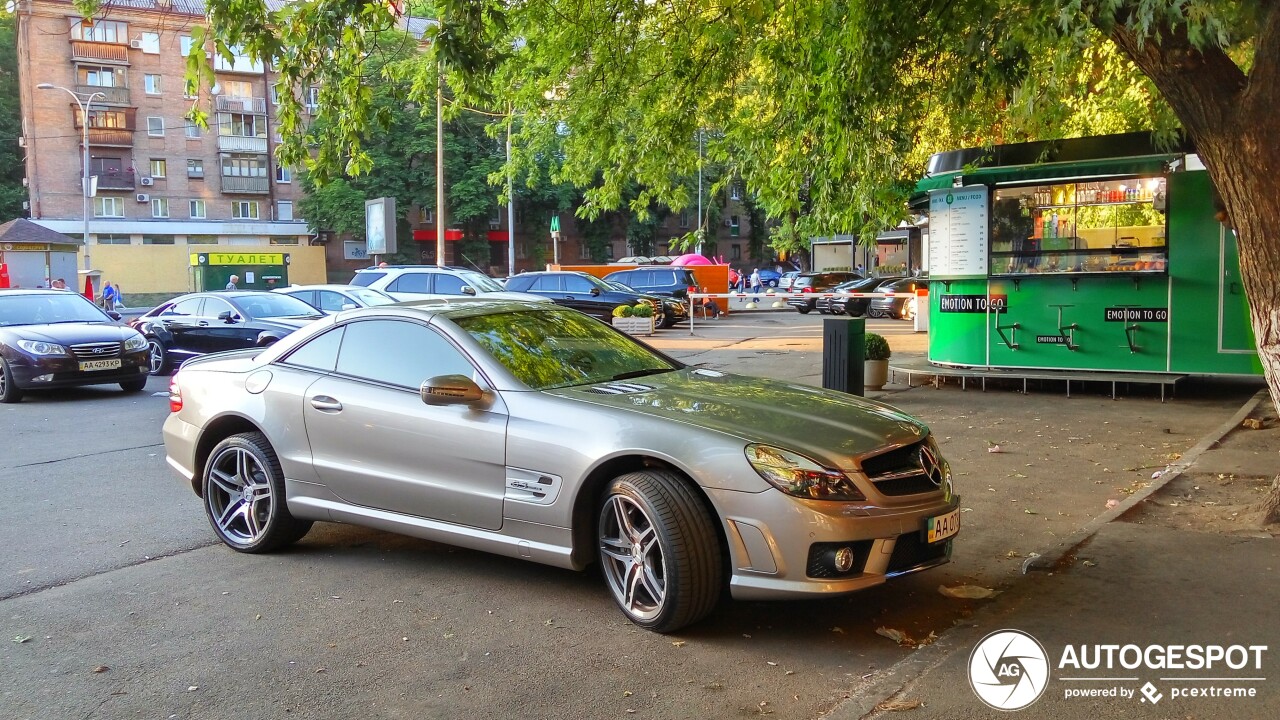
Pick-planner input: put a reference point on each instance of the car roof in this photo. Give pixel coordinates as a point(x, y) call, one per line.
point(339, 287)
point(450, 307)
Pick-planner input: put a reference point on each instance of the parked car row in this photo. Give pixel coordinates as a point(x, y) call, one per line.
point(901, 304)
point(593, 296)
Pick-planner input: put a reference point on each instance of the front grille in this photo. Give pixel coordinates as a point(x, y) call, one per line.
point(96, 351)
point(822, 558)
point(911, 551)
point(899, 472)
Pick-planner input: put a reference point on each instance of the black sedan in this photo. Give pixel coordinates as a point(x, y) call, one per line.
point(199, 323)
point(855, 307)
point(896, 306)
point(56, 338)
point(593, 296)
point(816, 282)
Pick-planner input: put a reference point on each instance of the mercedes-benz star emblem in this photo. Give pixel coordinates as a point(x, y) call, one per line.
point(930, 465)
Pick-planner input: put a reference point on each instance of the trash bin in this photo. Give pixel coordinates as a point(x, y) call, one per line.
point(843, 350)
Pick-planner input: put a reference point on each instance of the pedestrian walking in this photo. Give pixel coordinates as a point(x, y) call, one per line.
point(109, 295)
point(231, 284)
point(755, 280)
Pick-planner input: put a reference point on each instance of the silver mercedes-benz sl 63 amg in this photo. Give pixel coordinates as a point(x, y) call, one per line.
point(538, 432)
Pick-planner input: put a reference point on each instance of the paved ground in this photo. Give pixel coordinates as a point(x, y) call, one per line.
point(110, 564)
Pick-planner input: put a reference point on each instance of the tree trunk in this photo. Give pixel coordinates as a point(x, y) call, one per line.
point(1231, 117)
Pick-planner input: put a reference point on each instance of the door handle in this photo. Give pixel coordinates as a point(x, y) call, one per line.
point(204, 323)
point(324, 403)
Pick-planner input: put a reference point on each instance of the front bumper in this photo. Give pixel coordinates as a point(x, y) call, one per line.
point(781, 547)
point(57, 371)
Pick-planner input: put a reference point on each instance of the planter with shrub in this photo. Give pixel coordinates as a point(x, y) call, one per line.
point(634, 320)
point(875, 369)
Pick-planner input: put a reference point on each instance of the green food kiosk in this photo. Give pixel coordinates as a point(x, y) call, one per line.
point(253, 270)
point(1092, 254)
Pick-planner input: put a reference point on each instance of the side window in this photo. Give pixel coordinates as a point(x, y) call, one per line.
point(643, 279)
point(214, 307)
point(547, 283)
point(577, 284)
point(188, 307)
point(319, 353)
point(448, 285)
point(330, 301)
point(519, 284)
point(412, 283)
point(399, 353)
point(664, 278)
point(306, 296)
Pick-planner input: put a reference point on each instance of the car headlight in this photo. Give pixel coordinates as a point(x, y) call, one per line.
point(797, 475)
point(36, 347)
point(137, 342)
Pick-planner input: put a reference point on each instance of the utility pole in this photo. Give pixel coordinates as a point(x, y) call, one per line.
point(511, 204)
point(439, 164)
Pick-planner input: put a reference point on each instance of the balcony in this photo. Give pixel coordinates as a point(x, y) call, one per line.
point(238, 143)
point(110, 95)
point(100, 52)
point(111, 137)
point(245, 185)
point(252, 106)
point(116, 180)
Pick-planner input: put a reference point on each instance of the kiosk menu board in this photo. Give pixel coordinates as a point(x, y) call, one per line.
point(958, 228)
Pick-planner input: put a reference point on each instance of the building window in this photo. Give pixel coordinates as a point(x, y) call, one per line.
point(157, 240)
point(734, 228)
point(159, 207)
point(151, 83)
point(313, 100)
point(113, 239)
point(193, 131)
point(102, 76)
point(608, 251)
point(108, 207)
point(237, 89)
point(284, 211)
point(195, 169)
point(684, 218)
point(159, 168)
point(112, 119)
point(184, 45)
point(155, 126)
point(428, 217)
point(244, 165)
point(196, 208)
point(283, 174)
point(190, 89)
point(244, 209)
point(735, 252)
point(735, 191)
point(100, 165)
point(284, 241)
point(103, 31)
point(202, 239)
point(274, 94)
point(151, 43)
point(241, 125)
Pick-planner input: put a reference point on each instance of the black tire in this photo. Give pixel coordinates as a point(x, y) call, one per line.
point(687, 571)
point(157, 357)
point(135, 385)
point(9, 390)
point(259, 525)
point(803, 309)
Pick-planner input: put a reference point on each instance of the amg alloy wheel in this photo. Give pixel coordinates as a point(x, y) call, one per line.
point(658, 550)
point(244, 496)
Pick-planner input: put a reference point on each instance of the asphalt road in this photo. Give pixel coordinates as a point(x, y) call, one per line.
point(115, 602)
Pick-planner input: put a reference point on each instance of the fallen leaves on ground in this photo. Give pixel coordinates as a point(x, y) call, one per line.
point(1252, 423)
point(904, 639)
point(899, 705)
point(101, 669)
point(967, 592)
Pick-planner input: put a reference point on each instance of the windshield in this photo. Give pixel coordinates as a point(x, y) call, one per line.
point(482, 283)
point(365, 279)
point(45, 308)
point(370, 297)
point(269, 305)
point(550, 348)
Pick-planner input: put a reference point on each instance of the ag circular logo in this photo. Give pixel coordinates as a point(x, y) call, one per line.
point(1008, 670)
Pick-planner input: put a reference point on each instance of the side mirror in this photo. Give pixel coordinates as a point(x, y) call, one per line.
point(595, 292)
point(450, 390)
point(227, 316)
point(468, 290)
point(114, 315)
point(349, 306)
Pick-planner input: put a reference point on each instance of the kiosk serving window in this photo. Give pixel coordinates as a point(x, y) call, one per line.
point(1117, 225)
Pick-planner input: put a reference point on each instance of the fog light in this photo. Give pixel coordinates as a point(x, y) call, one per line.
point(42, 378)
point(844, 559)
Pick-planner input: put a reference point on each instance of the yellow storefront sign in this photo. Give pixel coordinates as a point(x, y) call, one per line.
point(238, 258)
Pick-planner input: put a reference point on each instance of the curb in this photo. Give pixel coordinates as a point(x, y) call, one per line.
point(864, 699)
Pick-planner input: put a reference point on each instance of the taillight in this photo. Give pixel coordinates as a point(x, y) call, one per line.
point(175, 394)
point(692, 289)
point(808, 289)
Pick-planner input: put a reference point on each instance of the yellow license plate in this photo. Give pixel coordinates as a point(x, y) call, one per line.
point(100, 364)
point(943, 526)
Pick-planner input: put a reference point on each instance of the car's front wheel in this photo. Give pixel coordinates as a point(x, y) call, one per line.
point(244, 496)
point(157, 357)
point(659, 550)
point(9, 391)
point(137, 384)
point(803, 309)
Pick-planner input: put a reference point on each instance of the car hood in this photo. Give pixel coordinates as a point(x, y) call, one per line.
point(829, 426)
point(69, 333)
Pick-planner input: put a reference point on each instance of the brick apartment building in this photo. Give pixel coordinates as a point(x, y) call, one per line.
point(161, 179)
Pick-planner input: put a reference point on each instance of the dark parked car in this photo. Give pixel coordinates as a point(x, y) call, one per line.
point(816, 282)
point(769, 278)
point(826, 305)
point(199, 323)
point(897, 306)
point(673, 282)
point(855, 307)
point(56, 338)
point(593, 296)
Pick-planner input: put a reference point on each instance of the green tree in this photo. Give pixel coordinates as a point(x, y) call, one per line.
point(824, 107)
point(12, 163)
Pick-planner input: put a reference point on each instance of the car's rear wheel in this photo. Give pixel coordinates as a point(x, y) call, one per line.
point(244, 496)
point(9, 391)
point(803, 309)
point(157, 357)
point(659, 551)
point(137, 384)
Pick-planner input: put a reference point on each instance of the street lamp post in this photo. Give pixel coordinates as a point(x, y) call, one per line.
point(84, 181)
